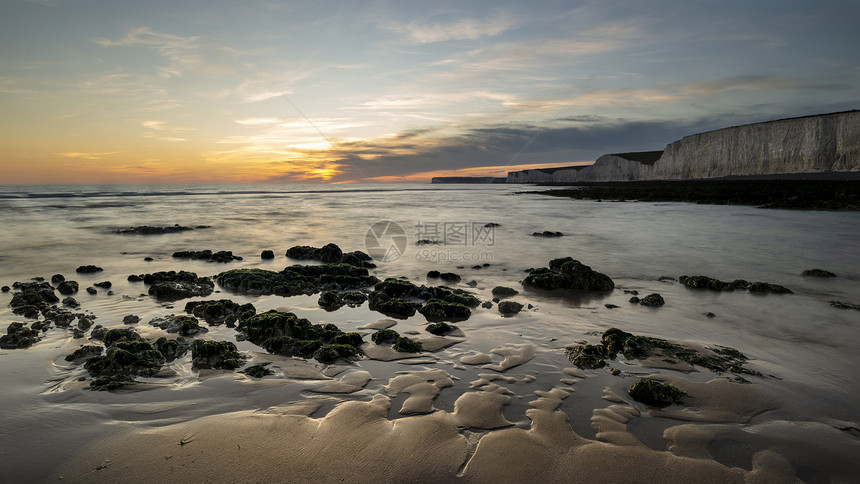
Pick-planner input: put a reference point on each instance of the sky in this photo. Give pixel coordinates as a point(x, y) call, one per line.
point(265, 91)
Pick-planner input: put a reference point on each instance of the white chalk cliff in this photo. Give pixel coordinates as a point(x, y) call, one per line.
point(809, 144)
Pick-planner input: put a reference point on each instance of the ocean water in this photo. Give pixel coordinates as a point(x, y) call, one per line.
point(806, 348)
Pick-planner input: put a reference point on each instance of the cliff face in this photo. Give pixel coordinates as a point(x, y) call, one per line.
point(811, 144)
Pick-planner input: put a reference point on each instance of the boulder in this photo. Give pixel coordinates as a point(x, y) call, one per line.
point(655, 393)
point(652, 300)
point(818, 273)
point(509, 308)
point(88, 269)
point(19, 336)
point(215, 354)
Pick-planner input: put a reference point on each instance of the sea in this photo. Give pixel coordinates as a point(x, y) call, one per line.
point(804, 347)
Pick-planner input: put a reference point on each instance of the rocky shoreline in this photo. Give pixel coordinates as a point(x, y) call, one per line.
point(779, 194)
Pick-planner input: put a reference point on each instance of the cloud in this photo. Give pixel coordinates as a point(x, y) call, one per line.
point(462, 29)
point(87, 156)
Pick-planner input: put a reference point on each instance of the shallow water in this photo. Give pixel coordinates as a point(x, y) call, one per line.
point(805, 346)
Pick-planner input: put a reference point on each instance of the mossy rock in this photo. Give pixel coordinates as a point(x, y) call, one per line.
point(220, 311)
point(768, 288)
point(509, 308)
point(84, 352)
point(19, 336)
point(68, 287)
point(652, 300)
point(258, 371)
point(119, 334)
point(407, 345)
point(215, 354)
point(394, 307)
point(587, 356)
point(503, 292)
point(818, 273)
point(654, 393)
point(330, 353)
point(170, 348)
point(385, 336)
point(441, 329)
point(330, 301)
point(439, 310)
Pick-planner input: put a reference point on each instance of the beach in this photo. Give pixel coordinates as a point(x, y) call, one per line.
point(498, 399)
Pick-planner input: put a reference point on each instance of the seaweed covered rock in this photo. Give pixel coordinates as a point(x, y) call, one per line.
point(817, 273)
point(85, 352)
point(150, 230)
point(220, 311)
point(19, 336)
point(286, 334)
point(705, 282)
point(184, 325)
point(31, 298)
point(587, 356)
point(170, 348)
point(68, 287)
point(297, 279)
point(655, 393)
point(258, 371)
point(172, 286)
point(222, 355)
point(445, 276)
point(330, 254)
point(394, 307)
point(57, 278)
point(397, 342)
point(502, 292)
point(568, 273)
point(767, 288)
point(509, 308)
point(330, 301)
point(332, 352)
point(88, 269)
point(267, 254)
point(127, 357)
point(441, 329)
point(652, 300)
point(222, 256)
point(440, 310)
point(353, 298)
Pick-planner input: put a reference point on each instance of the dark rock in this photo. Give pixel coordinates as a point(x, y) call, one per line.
point(31, 298)
point(127, 356)
point(332, 352)
point(172, 286)
point(295, 280)
point(57, 278)
point(184, 325)
point(587, 356)
point(492, 224)
point(767, 288)
point(135, 278)
point(330, 254)
point(441, 329)
point(88, 269)
point(710, 315)
point(42, 326)
point(92, 290)
point(503, 292)
point(391, 306)
point(615, 372)
point(610, 306)
point(845, 305)
point(19, 336)
point(68, 287)
point(215, 354)
point(84, 323)
point(509, 308)
point(286, 334)
point(434, 274)
point(439, 310)
point(258, 371)
point(77, 333)
point(85, 352)
point(103, 285)
point(654, 393)
point(148, 259)
point(652, 300)
point(632, 292)
point(130, 319)
point(385, 336)
point(170, 348)
point(487, 305)
point(472, 283)
point(407, 345)
point(635, 300)
point(449, 277)
point(428, 242)
point(220, 311)
point(266, 254)
point(354, 298)
point(666, 279)
point(818, 273)
point(547, 233)
point(330, 301)
point(567, 273)
point(222, 256)
point(99, 332)
point(148, 230)
point(5, 289)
